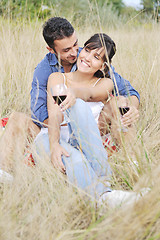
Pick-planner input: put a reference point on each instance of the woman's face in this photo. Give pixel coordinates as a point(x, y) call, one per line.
point(90, 61)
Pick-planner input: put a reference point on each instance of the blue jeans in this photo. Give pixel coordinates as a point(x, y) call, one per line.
point(87, 165)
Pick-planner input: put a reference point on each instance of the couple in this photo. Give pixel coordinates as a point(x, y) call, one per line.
point(63, 45)
point(83, 157)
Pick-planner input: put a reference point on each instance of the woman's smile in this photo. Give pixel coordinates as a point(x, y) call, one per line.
point(84, 63)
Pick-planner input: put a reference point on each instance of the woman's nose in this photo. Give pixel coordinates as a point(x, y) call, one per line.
point(88, 57)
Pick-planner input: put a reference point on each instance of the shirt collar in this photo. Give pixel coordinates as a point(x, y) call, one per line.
point(53, 59)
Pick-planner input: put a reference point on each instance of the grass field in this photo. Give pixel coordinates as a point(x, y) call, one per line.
point(39, 204)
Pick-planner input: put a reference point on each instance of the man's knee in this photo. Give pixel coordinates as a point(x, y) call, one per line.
point(18, 118)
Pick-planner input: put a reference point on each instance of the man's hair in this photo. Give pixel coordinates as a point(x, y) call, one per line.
point(100, 40)
point(56, 28)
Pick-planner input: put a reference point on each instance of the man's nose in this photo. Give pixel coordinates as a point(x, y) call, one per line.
point(74, 51)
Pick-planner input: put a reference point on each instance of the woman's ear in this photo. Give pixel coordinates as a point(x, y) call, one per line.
point(104, 65)
point(50, 49)
point(102, 68)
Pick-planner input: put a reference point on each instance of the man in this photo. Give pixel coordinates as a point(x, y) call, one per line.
point(63, 48)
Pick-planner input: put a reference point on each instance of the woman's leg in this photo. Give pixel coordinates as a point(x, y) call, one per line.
point(85, 131)
point(78, 169)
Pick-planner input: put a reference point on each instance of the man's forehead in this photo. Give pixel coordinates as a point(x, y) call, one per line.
point(67, 42)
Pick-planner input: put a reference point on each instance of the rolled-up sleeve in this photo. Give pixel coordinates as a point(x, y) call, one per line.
point(122, 86)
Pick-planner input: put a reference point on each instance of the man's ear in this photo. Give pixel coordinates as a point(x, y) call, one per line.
point(50, 49)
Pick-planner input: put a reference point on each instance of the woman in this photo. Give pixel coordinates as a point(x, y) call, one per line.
point(88, 82)
point(83, 157)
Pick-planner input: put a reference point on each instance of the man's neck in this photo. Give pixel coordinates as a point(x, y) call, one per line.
point(67, 68)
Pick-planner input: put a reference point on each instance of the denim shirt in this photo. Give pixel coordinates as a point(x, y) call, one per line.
point(39, 85)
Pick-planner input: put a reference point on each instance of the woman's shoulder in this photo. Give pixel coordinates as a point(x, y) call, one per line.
point(56, 74)
point(60, 75)
point(106, 79)
point(100, 81)
point(56, 78)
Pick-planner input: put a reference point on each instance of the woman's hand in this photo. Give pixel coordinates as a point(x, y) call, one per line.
point(69, 101)
point(56, 157)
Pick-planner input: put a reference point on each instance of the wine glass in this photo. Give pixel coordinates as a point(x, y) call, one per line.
point(59, 93)
point(123, 108)
point(123, 105)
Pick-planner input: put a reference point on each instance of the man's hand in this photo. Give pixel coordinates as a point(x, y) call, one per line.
point(56, 157)
point(69, 101)
point(133, 114)
point(130, 117)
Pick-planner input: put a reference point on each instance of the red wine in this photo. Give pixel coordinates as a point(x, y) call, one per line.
point(123, 110)
point(59, 99)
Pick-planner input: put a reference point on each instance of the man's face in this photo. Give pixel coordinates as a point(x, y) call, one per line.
point(66, 49)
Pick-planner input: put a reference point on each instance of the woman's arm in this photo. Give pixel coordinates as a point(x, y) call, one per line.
point(95, 94)
point(55, 117)
point(98, 93)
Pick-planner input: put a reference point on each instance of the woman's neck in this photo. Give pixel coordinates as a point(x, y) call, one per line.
point(80, 78)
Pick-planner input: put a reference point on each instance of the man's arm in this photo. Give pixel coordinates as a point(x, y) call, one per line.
point(39, 92)
point(124, 88)
point(134, 101)
point(133, 114)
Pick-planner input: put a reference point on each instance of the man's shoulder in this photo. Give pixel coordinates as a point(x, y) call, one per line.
point(46, 61)
point(43, 70)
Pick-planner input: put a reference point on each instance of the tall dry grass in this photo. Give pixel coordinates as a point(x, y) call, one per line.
point(41, 204)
